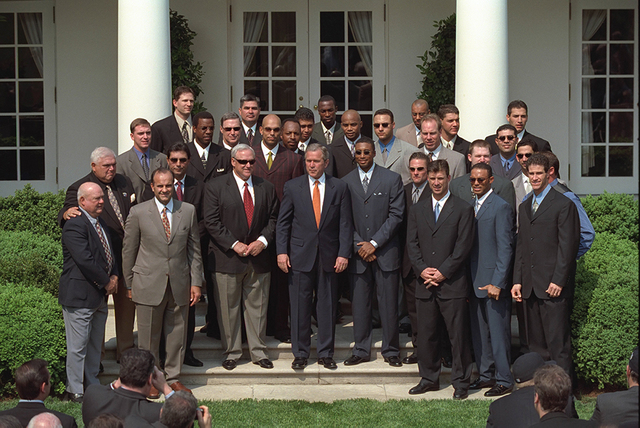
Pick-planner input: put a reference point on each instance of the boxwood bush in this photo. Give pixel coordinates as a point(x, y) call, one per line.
point(31, 211)
point(615, 213)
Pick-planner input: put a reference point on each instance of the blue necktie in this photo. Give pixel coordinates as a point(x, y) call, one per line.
point(436, 211)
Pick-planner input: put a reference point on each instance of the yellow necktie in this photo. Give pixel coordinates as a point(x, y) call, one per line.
point(270, 160)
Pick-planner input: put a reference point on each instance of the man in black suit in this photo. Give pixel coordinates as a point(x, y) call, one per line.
point(505, 164)
point(306, 119)
point(326, 130)
point(177, 127)
point(313, 240)
point(230, 130)
point(342, 150)
point(250, 114)
point(517, 116)
point(89, 273)
point(33, 383)
point(439, 231)
point(548, 238)
point(240, 214)
point(450, 117)
point(119, 198)
point(290, 136)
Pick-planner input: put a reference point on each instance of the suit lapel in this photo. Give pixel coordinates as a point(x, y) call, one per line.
point(195, 160)
point(176, 218)
point(329, 191)
point(445, 212)
point(394, 155)
point(259, 198)
point(96, 238)
point(279, 160)
point(234, 193)
point(546, 203)
point(373, 183)
point(154, 214)
point(429, 216)
point(136, 166)
point(485, 205)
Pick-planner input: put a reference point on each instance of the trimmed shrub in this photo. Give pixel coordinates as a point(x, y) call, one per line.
point(32, 211)
point(31, 326)
point(616, 213)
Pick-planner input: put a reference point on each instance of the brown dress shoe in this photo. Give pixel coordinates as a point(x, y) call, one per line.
point(177, 386)
point(154, 394)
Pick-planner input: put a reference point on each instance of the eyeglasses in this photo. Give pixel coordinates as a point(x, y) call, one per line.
point(523, 155)
point(176, 160)
point(245, 161)
point(365, 152)
point(229, 129)
point(412, 169)
point(276, 130)
point(507, 137)
point(479, 180)
point(379, 125)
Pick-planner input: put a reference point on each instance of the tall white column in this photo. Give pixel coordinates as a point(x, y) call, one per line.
point(144, 64)
point(482, 67)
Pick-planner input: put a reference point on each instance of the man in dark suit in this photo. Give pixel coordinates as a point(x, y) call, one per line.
point(250, 114)
point(548, 238)
point(240, 214)
point(230, 130)
point(439, 231)
point(490, 302)
point(33, 383)
point(326, 130)
point(505, 164)
point(290, 136)
point(139, 162)
point(306, 119)
point(177, 127)
point(411, 132)
point(377, 203)
point(89, 273)
point(118, 200)
point(517, 116)
point(450, 117)
point(313, 239)
point(341, 159)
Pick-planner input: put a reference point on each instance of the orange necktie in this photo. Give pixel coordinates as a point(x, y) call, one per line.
point(316, 202)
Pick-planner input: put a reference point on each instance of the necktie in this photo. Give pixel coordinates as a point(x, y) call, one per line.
point(352, 149)
point(179, 190)
point(145, 167)
point(384, 155)
point(430, 156)
point(534, 208)
point(436, 211)
point(248, 204)
point(316, 202)
point(185, 133)
point(416, 195)
point(476, 206)
point(105, 247)
point(165, 223)
point(250, 136)
point(365, 183)
point(327, 137)
point(270, 160)
point(114, 204)
point(203, 158)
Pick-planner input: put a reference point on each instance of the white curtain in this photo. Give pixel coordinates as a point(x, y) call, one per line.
point(254, 23)
point(32, 25)
point(361, 27)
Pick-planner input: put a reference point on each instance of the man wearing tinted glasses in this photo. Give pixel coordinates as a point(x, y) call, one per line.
point(521, 184)
point(391, 152)
point(504, 164)
point(230, 130)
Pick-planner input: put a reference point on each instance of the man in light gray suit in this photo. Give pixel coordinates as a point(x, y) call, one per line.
point(504, 164)
point(139, 162)
point(391, 152)
point(162, 267)
point(430, 129)
point(490, 302)
point(411, 132)
point(377, 201)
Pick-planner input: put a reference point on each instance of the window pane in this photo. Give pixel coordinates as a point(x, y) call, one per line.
point(621, 24)
point(360, 95)
point(367, 125)
point(593, 127)
point(7, 63)
point(30, 62)
point(31, 164)
point(593, 161)
point(30, 28)
point(360, 61)
point(6, 28)
point(283, 27)
point(256, 60)
point(332, 61)
point(621, 127)
point(284, 61)
point(259, 88)
point(7, 131)
point(31, 97)
point(8, 165)
point(7, 97)
point(594, 59)
point(621, 93)
point(594, 24)
point(593, 93)
point(284, 95)
point(621, 59)
point(360, 27)
point(255, 27)
point(336, 90)
point(32, 131)
point(620, 161)
point(331, 27)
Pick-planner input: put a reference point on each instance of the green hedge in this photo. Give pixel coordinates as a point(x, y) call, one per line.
point(31, 211)
point(615, 213)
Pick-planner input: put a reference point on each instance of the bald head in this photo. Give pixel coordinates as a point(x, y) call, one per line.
point(270, 130)
point(419, 109)
point(351, 124)
point(91, 198)
point(45, 420)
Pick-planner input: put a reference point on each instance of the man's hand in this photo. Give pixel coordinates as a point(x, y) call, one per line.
point(341, 264)
point(437, 276)
point(160, 382)
point(283, 262)
point(241, 249)
point(71, 212)
point(427, 276)
point(204, 417)
point(516, 292)
point(366, 251)
point(129, 294)
point(112, 285)
point(554, 290)
point(255, 248)
point(493, 292)
point(196, 292)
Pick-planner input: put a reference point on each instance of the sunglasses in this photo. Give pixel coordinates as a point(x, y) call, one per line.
point(229, 129)
point(479, 180)
point(176, 160)
point(276, 130)
point(412, 169)
point(365, 152)
point(507, 137)
point(381, 125)
point(245, 161)
point(523, 155)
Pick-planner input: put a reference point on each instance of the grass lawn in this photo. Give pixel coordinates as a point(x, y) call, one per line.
point(344, 413)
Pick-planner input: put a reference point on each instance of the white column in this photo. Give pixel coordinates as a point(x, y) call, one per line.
point(482, 68)
point(144, 64)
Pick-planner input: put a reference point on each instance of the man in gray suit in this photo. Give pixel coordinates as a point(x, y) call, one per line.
point(391, 152)
point(162, 267)
point(490, 302)
point(411, 132)
point(326, 130)
point(504, 164)
point(377, 201)
point(139, 162)
point(430, 129)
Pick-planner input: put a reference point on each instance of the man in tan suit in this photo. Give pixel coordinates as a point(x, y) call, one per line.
point(162, 267)
point(411, 132)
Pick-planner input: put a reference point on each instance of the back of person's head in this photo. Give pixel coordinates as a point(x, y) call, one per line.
point(136, 365)
point(29, 378)
point(45, 420)
point(179, 411)
point(553, 386)
point(8, 421)
point(633, 366)
point(106, 420)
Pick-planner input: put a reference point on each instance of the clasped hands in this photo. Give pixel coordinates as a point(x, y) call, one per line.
point(112, 285)
point(252, 249)
point(432, 277)
point(366, 251)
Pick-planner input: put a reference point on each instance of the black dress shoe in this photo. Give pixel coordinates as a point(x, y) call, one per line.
point(328, 363)
point(354, 360)
point(265, 363)
point(229, 364)
point(404, 328)
point(191, 360)
point(498, 390)
point(76, 398)
point(101, 369)
point(299, 363)
point(283, 339)
point(460, 394)
point(447, 362)
point(479, 384)
point(393, 361)
point(423, 386)
point(410, 359)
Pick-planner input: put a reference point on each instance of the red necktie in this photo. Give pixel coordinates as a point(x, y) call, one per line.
point(179, 191)
point(248, 204)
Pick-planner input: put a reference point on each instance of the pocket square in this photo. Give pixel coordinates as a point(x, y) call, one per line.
point(220, 170)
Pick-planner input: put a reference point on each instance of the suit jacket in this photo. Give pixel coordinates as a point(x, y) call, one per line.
point(457, 162)
point(561, 420)
point(501, 186)
point(85, 270)
point(128, 164)
point(126, 197)
point(257, 138)
point(286, 165)
point(443, 245)
point(461, 146)
point(150, 260)
point(341, 161)
point(218, 163)
point(543, 145)
point(408, 198)
point(498, 169)
point(101, 399)
point(547, 245)
point(24, 411)
point(408, 134)
point(297, 233)
point(616, 408)
point(165, 133)
point(377, 216)
point(493, 246)
point(226, 222)
point(194, 194)
point(397, 159)
point(319, 135)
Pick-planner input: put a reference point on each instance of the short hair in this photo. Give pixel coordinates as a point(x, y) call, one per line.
point(289, 119)
point(305, 114)
point(179, 411)
point(46, 419)
point(479, 144)
point(159, 171)
point(553, 386)
point(327, 98)
point(420, 156)
point(177, 93)
point(553, 161)
point(84, 189)
point(431, 118)
point(526, 141)
point(314, 147)
point(517, 104)
point(384, 111)
point(30, 376)
point(230, 115)
point(136, 365)
point(202, 115)
point(508, 126)
point(483, 166)
point(138, 122)
point(367, 141)
point(100, 153)
point(240, 147)
point(538, 159)
point(178, 147)
point(446, 109)
point(249, 97)
point(420, 101)
point(9, 421)
point(106, 420)
point(439, 165)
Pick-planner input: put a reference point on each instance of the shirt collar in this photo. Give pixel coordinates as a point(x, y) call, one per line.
point(240, 182)
point(442, 201)
point(542, 194)
point(332, 129)
point(139, 153)
point(160, 206)
point(511, 159)
point(247, 128)
point(181, 121)
point(366, 174)
point(322, 179)
point(93, 220)
point(265, 149)
point(353, 143)
point(484, 197)
point(388, 145)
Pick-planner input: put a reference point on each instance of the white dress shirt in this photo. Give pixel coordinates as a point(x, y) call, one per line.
point(321, 188)
point(240, 183)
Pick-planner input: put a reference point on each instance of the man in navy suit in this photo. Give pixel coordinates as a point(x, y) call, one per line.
point(490, 302)
point(313, 241)
point(177, 127)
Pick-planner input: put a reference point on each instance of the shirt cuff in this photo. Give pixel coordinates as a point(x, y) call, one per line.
point(374, 243)
point(263, 240)
point(234, 244)
point(166, 397)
